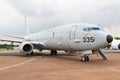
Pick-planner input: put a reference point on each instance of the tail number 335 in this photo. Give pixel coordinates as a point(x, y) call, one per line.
point(88, 39)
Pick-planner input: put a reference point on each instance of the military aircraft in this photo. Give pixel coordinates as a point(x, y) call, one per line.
point(85, 37)
point(115, 44)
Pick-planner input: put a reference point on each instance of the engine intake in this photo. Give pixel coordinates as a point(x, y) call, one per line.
point(26, 47)
point(119, 46)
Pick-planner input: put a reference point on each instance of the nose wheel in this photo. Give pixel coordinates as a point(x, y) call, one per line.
point(85, 59)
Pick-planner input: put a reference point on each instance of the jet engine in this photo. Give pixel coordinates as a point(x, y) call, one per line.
point(26, 47)
point(119, 46)
point(115, 46)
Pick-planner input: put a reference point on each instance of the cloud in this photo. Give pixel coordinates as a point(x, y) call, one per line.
point(9, 19)
point(44, 14)
point(115, 30)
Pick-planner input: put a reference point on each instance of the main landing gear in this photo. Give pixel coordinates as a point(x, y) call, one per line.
point(85, 58)
point(30, 54)
point(53, 52)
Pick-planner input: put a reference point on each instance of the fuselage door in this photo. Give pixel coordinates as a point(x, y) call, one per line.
point(72, 32)
point(77, 35)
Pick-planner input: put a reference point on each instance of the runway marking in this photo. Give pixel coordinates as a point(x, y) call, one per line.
point(16, 65)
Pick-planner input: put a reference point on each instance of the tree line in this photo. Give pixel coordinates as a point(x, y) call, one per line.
point(117, 38)
point(7, 46)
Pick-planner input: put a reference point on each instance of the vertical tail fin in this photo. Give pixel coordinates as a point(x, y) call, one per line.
point(27, 26)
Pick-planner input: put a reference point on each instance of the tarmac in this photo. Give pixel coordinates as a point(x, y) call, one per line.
point(43, 66)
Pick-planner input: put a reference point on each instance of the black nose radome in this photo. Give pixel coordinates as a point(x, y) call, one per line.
point(119, 45)
point(109, 38)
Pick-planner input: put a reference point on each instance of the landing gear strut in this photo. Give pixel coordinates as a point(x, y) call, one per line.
point(85, 58)
point(53, 52)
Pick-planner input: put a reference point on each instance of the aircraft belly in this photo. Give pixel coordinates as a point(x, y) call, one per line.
point(55, 44)
point(76, 46)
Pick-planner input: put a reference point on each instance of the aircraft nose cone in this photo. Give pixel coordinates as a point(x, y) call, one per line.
point(119, 46)
point(109, 38)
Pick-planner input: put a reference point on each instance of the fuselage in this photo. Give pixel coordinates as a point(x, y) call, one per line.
point(73, 37)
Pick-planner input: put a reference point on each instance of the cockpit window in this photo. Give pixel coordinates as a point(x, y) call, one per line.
point(91, 29)
point(96, 28)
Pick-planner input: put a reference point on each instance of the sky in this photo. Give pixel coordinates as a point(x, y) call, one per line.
point(45, 14)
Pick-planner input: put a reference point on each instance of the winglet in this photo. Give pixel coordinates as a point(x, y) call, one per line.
point(27, 26)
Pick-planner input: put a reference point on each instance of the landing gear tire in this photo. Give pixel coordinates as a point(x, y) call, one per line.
point(85, 59)
point(27, 54)
point(30, 54)
point(53, 52)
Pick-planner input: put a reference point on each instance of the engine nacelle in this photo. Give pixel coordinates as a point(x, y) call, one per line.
point(116, 46)
point(26, 47)
point(119, 46)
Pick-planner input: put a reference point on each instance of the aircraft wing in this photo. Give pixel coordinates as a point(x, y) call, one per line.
point(16, 39)
point(11, 36)
point(13, 39)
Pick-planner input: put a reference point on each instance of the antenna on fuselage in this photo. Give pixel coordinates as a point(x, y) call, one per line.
point(27, 26)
